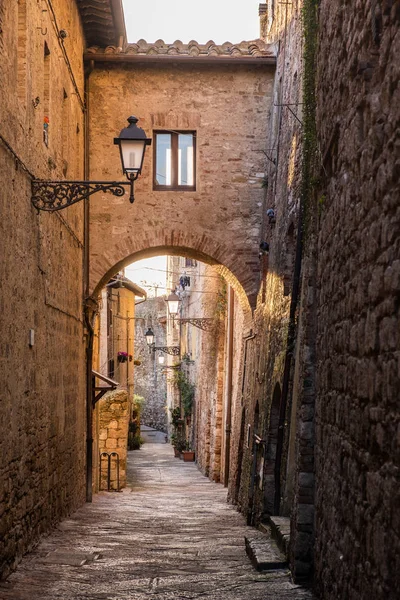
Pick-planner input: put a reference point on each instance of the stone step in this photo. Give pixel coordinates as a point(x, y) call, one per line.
point(279, 528)
point(264, 553)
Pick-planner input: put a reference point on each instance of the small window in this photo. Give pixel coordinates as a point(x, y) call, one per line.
point(174, 160)
point(190, 262)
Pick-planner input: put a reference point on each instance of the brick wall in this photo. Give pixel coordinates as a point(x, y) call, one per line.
point(42, 412)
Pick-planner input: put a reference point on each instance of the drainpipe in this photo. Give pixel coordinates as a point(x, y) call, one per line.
point(288, 362)
point(231, 309)
point(90, 332)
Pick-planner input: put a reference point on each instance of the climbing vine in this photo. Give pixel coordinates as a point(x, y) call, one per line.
point(186, 389)
point(310, 142)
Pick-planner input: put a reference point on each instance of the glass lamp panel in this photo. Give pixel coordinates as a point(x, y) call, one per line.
point(161, 359)
point(149, 337)
point(173, 306)
point(185, 159)
point(132, 155)
point(163, 159)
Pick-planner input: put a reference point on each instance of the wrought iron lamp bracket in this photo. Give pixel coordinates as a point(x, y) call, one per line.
point(173, 350)
point(51, 196)
point(206, 324)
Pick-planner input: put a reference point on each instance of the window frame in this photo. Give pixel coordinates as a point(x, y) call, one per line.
point(174, 161)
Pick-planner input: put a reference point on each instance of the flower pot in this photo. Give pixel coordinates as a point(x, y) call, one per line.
point(188, 456)
point(176, 453)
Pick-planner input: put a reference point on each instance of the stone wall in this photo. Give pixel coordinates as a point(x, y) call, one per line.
point(150, 378)
point(42, 412)
point(357, 460)
point(230, 118)
point(207, 299)
point(114, 413)
point(264, 347)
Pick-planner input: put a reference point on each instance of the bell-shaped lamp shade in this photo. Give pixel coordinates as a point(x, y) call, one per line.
point(161, 359)
point(132, 142)
point(149, 337)
point(173, 304)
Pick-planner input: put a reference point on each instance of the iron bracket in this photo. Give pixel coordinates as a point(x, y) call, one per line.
point(174, 350)
point(206, 324)
point(56, 195)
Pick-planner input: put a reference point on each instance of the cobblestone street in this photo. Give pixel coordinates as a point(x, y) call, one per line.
point(169, 535)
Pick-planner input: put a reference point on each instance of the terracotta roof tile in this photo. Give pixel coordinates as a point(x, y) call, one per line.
point(250, 49)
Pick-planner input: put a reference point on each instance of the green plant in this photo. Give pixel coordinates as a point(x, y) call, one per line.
point(175, 416)
point(180, 445)
point(186, 389)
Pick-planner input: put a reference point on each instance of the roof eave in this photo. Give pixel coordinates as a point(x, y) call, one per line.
point(265, 61)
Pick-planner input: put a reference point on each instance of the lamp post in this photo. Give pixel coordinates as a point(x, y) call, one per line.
point(173, 350)
point(56, 195)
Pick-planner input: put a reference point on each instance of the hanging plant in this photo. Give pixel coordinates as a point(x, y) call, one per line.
point(122, 357)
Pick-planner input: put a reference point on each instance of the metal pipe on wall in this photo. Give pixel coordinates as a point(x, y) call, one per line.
point(229, 386)
point(90, 335)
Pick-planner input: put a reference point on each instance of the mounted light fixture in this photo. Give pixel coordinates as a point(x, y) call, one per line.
point(149, 335)
point(173, 304)
point(56, 195)
point(161, 359)
point(132, 142)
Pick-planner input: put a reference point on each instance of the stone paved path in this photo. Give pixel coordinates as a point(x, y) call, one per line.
point(169, 536)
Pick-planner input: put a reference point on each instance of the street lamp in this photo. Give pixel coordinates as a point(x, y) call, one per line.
point(56, 195)
point(174, 350)
point(149, 335)
point(173, 304)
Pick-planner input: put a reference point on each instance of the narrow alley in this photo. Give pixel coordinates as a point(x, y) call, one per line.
point(170, 535)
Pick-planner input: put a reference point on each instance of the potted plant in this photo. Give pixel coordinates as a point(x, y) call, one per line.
point(180, 446)
point(174, 443)
point(187, 453)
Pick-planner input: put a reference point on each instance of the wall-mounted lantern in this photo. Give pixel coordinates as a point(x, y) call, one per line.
point(174, 350)
point(56, 195)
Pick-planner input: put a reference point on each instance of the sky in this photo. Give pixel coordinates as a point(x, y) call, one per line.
point(186, 20)
point(149, 272)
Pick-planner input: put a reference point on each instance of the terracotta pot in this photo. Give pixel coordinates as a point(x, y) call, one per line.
point(188, 456)
point(176, 453)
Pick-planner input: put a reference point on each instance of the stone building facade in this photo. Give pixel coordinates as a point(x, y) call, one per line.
point(160, 83)
point(43, 272)
point(330, 355)
point(150, 378)
point(42, 474)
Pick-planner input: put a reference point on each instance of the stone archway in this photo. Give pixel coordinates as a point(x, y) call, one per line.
point(130, 249)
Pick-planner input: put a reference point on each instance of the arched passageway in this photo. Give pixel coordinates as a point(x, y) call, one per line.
point(127, 251)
